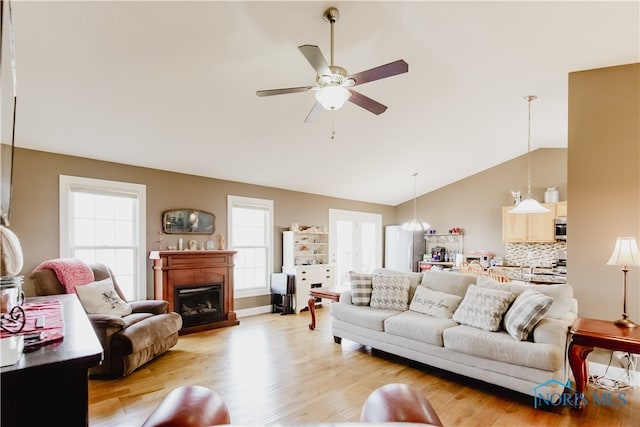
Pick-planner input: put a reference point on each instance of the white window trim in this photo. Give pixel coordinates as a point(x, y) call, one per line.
point(265, 203)
point(66, 183)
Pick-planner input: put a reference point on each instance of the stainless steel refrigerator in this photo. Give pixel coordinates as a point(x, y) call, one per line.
point(403, 249)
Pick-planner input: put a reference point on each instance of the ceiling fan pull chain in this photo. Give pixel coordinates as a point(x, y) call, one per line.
point(333, 124)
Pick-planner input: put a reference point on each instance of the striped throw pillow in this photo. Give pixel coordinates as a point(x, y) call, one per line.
point(361, 288)
point(525, 313)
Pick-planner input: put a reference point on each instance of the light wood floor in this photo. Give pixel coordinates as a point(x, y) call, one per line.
point(272, 369)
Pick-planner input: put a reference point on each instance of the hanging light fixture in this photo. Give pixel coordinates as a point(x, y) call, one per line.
point(332, 97)
point(415, 224)
point(529, 205)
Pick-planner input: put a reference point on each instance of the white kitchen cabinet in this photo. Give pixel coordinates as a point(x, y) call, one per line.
point(305, 255)
point(307, 277)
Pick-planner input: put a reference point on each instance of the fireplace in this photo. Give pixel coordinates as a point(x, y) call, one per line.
point(198, 285)
point(199, 304)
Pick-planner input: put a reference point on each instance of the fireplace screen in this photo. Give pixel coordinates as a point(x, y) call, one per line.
point(199, 304)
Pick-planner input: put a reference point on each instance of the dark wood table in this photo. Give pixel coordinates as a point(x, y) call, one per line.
point(324, 293)
point(589, 333)
point(51, 383)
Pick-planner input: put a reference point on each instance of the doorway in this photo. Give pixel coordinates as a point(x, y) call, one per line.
point(355, 243)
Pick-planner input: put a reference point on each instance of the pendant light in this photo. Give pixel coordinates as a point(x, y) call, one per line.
point(529, 205)
point(415, 224)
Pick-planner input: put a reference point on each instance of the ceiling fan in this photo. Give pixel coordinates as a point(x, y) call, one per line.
point(334, 84)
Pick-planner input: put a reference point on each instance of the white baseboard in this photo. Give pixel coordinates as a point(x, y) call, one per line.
point(245, 312)
point(615, 373)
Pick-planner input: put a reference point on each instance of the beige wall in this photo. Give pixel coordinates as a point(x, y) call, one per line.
point(604, 186)
point(35, 217)
point(475, 203)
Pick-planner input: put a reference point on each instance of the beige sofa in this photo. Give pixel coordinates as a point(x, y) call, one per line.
point(535, 366)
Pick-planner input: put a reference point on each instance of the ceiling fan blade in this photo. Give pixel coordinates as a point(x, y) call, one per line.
point(316, 59)
point(314, 113)
point(271, 92)
point(367, 103)
point(381, 72)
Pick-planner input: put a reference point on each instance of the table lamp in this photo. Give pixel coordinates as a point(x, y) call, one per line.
point(625, 254)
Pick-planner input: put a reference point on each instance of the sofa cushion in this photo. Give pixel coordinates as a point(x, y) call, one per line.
point(448, 281)
point(418, 326)
point(390, 292)
point(361, 288)
point(434, 303)
point(501, 347)
point(101, 298)
point(366, 317)
point(562, 294)
point(483, 308)
point(525, 312)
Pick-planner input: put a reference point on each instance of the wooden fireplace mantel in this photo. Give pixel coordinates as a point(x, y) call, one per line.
point(173, 269)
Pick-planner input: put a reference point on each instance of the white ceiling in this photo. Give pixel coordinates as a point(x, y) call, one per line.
point(171, 85)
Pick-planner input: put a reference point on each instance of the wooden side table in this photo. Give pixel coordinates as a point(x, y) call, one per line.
point(589, 333)
point(324, 293)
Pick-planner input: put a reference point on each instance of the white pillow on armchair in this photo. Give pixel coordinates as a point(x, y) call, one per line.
point(101, 298)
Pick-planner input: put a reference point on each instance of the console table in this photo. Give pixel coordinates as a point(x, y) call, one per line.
point(589, 333)
point(50, 383)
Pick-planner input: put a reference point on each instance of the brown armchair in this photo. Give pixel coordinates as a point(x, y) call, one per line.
point(390, 404)
point(130, 341)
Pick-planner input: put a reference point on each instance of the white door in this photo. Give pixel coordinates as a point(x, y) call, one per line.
point(355, 243)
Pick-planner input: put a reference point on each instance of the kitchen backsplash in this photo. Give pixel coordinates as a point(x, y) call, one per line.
point(537, 254)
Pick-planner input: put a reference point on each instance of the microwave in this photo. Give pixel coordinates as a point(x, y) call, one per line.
point(561, 228)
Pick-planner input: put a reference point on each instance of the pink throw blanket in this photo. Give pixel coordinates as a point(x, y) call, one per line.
point(71, 272)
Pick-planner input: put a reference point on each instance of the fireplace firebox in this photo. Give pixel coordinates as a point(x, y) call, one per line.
point(198, 285)
point(199, 304)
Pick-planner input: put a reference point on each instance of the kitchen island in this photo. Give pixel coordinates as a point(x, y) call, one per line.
point(537, 275)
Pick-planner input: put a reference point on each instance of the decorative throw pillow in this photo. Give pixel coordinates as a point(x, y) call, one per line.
point(101, 298)
point(390, 292)
point(434, 303)
point(525, 313)
point(483, 308)
point(361, 288)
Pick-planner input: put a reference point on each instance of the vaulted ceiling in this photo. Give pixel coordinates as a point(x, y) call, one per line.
point(172, 85)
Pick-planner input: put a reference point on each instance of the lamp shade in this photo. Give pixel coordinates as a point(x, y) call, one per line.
point(529, 206)
point(625, 252)
point(332, 97)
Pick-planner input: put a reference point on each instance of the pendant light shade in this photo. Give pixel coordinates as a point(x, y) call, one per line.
point(529, 205)
point(415, 224)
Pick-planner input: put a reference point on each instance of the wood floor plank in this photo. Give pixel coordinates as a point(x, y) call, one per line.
point(272, 369)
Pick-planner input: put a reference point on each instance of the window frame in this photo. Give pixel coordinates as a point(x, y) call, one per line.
point(240, 201)
point(68, 183)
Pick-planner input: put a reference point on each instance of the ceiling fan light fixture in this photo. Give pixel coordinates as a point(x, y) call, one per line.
point(332, 97)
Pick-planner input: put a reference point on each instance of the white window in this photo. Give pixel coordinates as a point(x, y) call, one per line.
point(105, 222)
point(251, 235)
